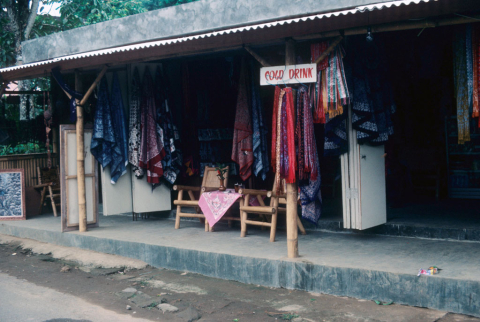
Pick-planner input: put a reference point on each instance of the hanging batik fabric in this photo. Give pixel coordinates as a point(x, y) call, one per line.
point(151, 145)
point(372, 101)
point(276, 101)
point(278, 139)
point(103, 145)
point(134, 126)
point(461, 75)
point(336, 94)
point(332, 93)
point(476, 72)
point(308, 162)
point(172, 162)
point(119, 165)
point(311, 197)
point(242, 151)
point(259, 138)
point(316, 51)
point(288, 160)
point(476, 66)
point(74, 94)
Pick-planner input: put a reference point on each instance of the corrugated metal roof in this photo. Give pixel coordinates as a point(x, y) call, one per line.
point(361, 9)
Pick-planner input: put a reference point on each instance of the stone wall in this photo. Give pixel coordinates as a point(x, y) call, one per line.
point(10, 195)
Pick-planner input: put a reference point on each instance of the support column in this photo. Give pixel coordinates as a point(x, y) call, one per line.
point(82, 213)
point(292, 189)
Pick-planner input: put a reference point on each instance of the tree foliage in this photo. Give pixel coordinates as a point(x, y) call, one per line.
point(19, 20)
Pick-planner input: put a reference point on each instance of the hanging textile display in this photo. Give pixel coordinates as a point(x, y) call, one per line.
point(336, 94)
point(288, 160)
point(74, 94)
point(311, 197)
point(134, 126)
point(276, 108)
point(316, 50)
point(278, 138)
point(461, 80)
point(103, 145)
point(172, 162)
point(151, 143)
point(259, 138)
point(309, 146)
point(372, 103)
point(119, 125)
point(242, 151)
point(476, 71)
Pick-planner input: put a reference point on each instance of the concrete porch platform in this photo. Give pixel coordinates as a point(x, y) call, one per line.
point(346, 264)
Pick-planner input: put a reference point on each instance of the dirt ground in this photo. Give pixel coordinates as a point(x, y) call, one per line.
point(195, 296)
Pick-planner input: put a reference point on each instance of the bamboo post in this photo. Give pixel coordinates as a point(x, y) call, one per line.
point(292, 229)
point(329, 49)
point(262, 61)
point(82, 212)
point(92, 87)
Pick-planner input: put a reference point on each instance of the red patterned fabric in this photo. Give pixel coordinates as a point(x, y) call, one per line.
point(151, 145)
point(299, 134)
point(242, 151)
point(316, 51)
point(274, 127)
point(292, 160)
point(319, 110)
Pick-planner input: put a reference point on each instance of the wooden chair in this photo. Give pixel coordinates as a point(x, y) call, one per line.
point(49, 183)
point(277, 206)
point(210, 183)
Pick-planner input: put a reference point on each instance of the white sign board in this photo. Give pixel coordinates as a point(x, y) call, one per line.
point(293, 74)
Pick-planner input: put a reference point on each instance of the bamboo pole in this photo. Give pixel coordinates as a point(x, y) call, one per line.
point(92, 87)
point(82, 212)
point(329, 49)
point(257, 57)
point(292, 229)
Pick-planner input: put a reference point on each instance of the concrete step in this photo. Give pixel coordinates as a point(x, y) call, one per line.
point(408, 229)
point(364, 266)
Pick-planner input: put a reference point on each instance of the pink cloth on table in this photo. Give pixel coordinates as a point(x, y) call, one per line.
point(216, 203)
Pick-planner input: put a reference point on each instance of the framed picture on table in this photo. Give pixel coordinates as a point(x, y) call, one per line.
point(12, 194)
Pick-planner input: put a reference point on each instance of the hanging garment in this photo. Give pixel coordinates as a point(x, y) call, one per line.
point(242, 151)
point(259, 137)
point(476, 71)
point(311, 200)
point(300, 135)
point(276, 108)
point(316, 98)
point(310, 163)
point(151, 145)
point(316, 50)
point(118, 167)
point(289, 165)
point(372, 101)
point(476, 66)
point(278, 140)
point(134, 126)
point(103, 145)
point(336, 85)
point(309, 176)
point(172, 162)
point(74, 94)
point(461, 85)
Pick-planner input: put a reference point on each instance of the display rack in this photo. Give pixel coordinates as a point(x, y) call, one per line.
point(463, 162)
